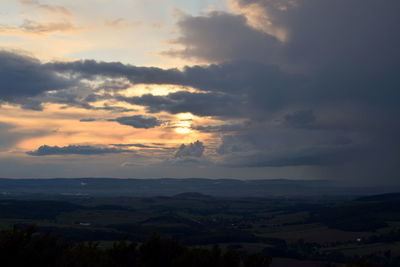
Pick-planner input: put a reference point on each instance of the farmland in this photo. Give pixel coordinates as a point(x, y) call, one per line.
point(288, 229)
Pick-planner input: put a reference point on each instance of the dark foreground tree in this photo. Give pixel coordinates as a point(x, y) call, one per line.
point(25, 247)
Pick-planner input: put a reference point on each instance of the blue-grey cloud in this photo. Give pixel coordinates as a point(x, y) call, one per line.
point(87, 120)
point(364, 34)
point(260, 92)
point(300, 118)
point(307, 157)
point(222, 128)
point(188, 155)
point(139, 121)
point(206, 38)
point(285, 147)
point(23, 76)
point(352, 61)
point(195, 150)
point(328, 92)
point(29, 83)
point(75, 150)
point(141, 146)
point(202, 104)
point(347, 86)
point(238, 77)
point(90, 69)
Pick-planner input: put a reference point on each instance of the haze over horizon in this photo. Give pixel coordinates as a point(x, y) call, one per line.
point(244, 89)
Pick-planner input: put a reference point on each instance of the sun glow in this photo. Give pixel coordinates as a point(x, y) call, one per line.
point(183, 127)
point(156, 89)
point(182, 130)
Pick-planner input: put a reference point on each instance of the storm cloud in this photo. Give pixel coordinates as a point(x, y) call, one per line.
point(315, 81)
point(207, 104)
point(237, 88)
point(300, 118)
point(206, 38)
point(324, 33)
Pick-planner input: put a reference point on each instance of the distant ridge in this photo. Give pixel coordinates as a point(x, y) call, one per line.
point(270, 188)
point(192, 195)
point(381, 197)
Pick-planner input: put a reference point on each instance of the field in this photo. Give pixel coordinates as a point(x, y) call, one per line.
point(292, 231)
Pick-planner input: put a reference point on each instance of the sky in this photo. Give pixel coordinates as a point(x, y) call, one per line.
point(247, 89)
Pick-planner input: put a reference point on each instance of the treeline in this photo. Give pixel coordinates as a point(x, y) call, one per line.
point(357, 216)
point(26, 247)
point(389, 237)
point(303, 251)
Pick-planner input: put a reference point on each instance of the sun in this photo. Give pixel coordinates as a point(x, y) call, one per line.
point(183, 127)
point(183, 130)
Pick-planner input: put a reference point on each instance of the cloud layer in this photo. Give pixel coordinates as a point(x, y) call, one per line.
point(75, 150)
point(291, 83)
point(23, 76)
point(139, 121)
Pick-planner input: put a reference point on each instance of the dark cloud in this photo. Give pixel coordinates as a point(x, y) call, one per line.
point(140, 146)
point(220, 128)
point(139, 121)
point(202, 104)
point(75, 150)
point(190, 155)
point(206, 38)
point(254, 87)
point(365, 33)
point(191, 150)
point(236, 89)
point(284, 147)
point(91, 69)
point(300, 119)
point(232, 89)
point(31, 103)
point(115, 85)
point(23, 76)
point(232, 77)
point(346, 57)
point(317, 80)
point(311, 157)
point(335, 55)
point(87, 120)
point(261, 92)
point(134, 145)
point(82, 96)
point(113, 108)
